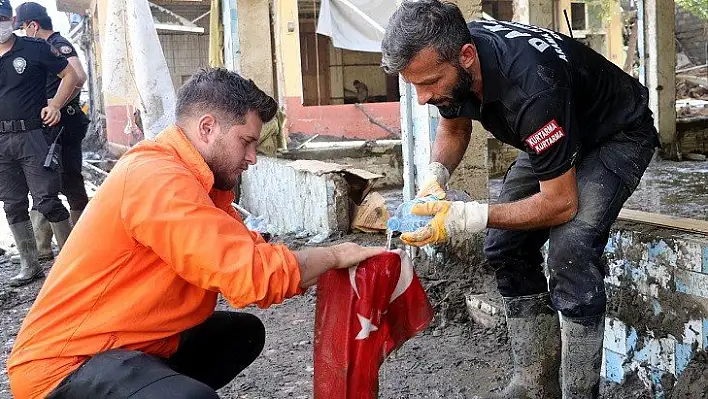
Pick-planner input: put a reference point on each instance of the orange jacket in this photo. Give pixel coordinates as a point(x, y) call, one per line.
point(153, 249)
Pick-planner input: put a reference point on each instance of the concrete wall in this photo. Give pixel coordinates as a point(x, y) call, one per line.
point(287, 49)
point(342, 120)
point(657, 284)
point(294, 201)
point(692, 34)
point(254, 30)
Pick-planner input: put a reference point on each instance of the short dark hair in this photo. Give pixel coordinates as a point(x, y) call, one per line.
point(44, 23)
point(225, 93)
point(416, 25)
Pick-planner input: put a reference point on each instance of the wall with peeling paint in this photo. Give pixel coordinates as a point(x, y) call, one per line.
point(657, 285)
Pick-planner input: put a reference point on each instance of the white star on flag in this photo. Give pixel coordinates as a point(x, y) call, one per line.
point(366, 327)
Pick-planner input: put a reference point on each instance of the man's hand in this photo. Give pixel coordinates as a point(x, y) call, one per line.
point(350, 254)
point(435, 181)
point(315, 261)
point(50, 115)
point(450, 218)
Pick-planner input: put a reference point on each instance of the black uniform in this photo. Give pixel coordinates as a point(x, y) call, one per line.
point(24, 142)
point(75, 124)
point(565, 106)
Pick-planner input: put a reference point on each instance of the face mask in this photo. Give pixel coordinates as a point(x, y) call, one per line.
point(5, 31)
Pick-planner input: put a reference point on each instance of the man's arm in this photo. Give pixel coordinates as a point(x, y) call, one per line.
point(67, 86)
point(549, 128)
point(556, 204)
point(169, 212)
point(451, 140)
point(80, 73)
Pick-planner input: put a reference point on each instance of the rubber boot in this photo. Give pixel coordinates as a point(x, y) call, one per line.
point(582, 356)
point(27, 247)
point(74, 216)
point(534, 335)
point(61, 232)
point(42, 235)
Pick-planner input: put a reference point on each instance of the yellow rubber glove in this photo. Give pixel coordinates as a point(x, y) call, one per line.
point(449, 218)
point(435, 181)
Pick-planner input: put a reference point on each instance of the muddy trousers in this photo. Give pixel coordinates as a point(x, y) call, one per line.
point(606, 177)
point(22, 155)
point(209, 356)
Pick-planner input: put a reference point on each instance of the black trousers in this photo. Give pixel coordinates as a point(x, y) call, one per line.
point(606, 177)
point(22, 157)
point(209, 356)
point(75, 126)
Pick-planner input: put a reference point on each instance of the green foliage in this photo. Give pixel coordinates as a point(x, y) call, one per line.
point(699, 8)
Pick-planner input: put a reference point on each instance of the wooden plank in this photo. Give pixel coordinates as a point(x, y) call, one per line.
point(672, 222)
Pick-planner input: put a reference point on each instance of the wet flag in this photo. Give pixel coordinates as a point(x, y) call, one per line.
point(363, 313)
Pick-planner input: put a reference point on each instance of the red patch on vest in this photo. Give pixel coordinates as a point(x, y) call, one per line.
point(545, 137)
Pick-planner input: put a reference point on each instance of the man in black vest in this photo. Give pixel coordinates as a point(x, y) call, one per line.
point(587, 136)
point(25, 139)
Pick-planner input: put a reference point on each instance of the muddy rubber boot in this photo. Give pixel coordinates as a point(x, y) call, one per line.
point(74, 216)
point(29, 264)
point(582, 356)
point(42, 235)
point(61, 231)
point(534, 335)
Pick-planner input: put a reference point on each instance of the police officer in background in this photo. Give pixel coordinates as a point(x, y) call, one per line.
point(25, 139)
point(34, 20)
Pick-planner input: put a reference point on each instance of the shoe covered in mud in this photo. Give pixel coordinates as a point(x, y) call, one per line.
point(534, 335)
point(61, 232)
point(26, 246)
point(42, 235)
point(582, 356)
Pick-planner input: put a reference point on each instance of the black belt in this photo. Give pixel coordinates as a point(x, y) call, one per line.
point(20, 125)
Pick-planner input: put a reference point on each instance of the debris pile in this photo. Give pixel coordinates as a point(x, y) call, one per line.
point(692, 92)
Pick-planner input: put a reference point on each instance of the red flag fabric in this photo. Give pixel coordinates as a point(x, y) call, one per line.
point(363, 313)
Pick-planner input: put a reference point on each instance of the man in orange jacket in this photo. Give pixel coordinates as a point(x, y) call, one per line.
point(128, 308)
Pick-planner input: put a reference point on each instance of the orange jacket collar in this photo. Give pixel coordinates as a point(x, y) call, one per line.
point(175, 138)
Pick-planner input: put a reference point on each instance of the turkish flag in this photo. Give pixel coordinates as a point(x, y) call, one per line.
point(363, 313)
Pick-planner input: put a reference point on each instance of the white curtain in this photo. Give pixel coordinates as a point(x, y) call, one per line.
point(355, 24)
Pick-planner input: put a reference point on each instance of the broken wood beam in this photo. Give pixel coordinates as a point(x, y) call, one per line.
point(667, 221)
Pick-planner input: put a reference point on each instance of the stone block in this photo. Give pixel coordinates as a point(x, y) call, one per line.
point(691, 283)
point(486, 309)
point(294, 201)
point(693, 334)
point(613, 366)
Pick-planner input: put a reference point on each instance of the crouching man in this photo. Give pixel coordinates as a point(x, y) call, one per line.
point(128, 308)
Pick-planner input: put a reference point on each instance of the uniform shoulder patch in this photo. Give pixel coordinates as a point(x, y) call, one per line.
point(545, 137)
point(66, 50)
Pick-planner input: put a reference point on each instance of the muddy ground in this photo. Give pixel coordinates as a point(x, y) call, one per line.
point(452, 358)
